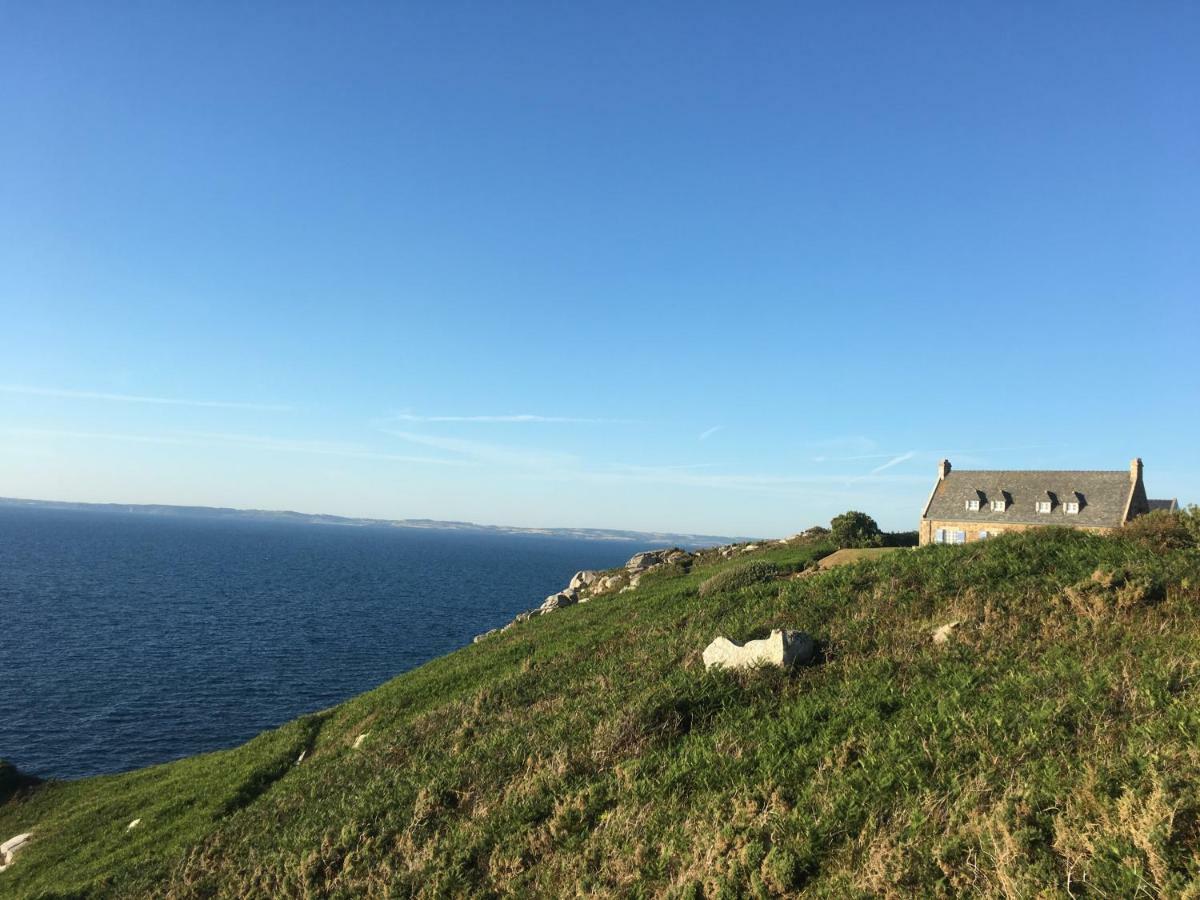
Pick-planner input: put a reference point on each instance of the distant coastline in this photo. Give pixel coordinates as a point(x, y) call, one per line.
point(220, 512)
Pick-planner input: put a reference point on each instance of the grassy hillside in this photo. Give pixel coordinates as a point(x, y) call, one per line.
point(1050, 746)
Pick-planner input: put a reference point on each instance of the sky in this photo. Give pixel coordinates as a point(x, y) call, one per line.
point(725, 268)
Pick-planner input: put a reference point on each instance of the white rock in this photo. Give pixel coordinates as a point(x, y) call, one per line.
point(9, 848)
point(135, 823)
point(358, 740)
point(559, 600)
point(749, 548)
point(480, 637)
point(781, 648)
point(941, 635)
point(584, 579)
point(644, 560)
point(300, 758)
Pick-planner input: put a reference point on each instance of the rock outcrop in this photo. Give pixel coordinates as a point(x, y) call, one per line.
point(587, 584)
point(580, 580)
point(780, 648)
point(569, 597)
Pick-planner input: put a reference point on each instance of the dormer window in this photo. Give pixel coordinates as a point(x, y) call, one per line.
point(1071, 507)
point(1000, 504)
point(973, 505)
point(1044, 506)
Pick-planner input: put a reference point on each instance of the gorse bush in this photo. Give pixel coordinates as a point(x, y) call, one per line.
point(739, 576)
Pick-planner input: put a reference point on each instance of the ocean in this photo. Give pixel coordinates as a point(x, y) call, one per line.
point(129, 639)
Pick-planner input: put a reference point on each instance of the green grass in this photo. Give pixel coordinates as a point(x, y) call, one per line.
point(1050, 748)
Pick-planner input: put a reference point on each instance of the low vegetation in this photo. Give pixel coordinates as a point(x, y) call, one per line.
point(1048, 748)
point(737, 577)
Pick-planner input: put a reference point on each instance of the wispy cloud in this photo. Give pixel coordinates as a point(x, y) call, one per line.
point(709, 432)
point(804, 484)
point(514, 418)
point(93, 435)
point(249, 441)
point(894, 461)
point(485, 452)
point(318, 448)
point(138, 398)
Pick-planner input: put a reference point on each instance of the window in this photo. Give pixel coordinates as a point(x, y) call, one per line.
point(960, 537)
point(999, 505)
point(939, 536)
point(983, 535)
point(1043, 506)
point(973, 505)
point(1071, 507)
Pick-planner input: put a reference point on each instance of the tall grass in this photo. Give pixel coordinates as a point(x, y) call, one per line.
point(1048, 749)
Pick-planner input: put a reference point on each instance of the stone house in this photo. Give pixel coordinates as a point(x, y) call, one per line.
point(974, 505)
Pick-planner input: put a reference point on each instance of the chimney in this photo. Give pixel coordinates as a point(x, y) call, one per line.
point(944, 469)
point(1135, 470)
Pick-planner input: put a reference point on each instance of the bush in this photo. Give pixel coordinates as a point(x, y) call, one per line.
point(900, 539)
point(1163, 531)
point(736, 577)
point(855, 529)
point(12, 780)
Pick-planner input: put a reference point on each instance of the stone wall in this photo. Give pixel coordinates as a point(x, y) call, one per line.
point(929, 528)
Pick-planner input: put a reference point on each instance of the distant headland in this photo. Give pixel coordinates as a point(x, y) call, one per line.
point(650, 538)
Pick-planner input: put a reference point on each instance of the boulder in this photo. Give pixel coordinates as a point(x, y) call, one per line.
point(781, 648)
point(641, 561)
point(559, 600)
point(10, 848)
point(480, 637)
point(750, 548)
point(584, 579)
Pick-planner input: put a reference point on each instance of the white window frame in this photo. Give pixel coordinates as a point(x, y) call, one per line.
point(1044, 506)
point(939, 536)
point(973, 505)
point(1071, 507)
point(960, 537)
point(999, 505)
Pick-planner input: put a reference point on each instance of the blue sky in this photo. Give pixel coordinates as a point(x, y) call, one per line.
point(713, 267)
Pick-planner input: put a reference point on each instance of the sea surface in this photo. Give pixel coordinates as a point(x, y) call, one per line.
point(129, 639)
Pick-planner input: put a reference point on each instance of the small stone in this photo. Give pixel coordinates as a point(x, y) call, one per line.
point(358, 740)
point(486, 634)
point(136, 822)
point(781, 648)
point(300, 758)
point(941, 635)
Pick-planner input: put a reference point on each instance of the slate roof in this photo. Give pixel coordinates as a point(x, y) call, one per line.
point(1103, 497)
point(1168, 505)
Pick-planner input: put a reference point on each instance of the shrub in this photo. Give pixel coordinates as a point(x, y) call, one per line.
point(12, 780)
point(900, 539)
point(1162, 531)
point(855, 529)
point(737, 577)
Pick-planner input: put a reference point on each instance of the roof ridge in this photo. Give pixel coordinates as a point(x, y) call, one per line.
point(1122, 472)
